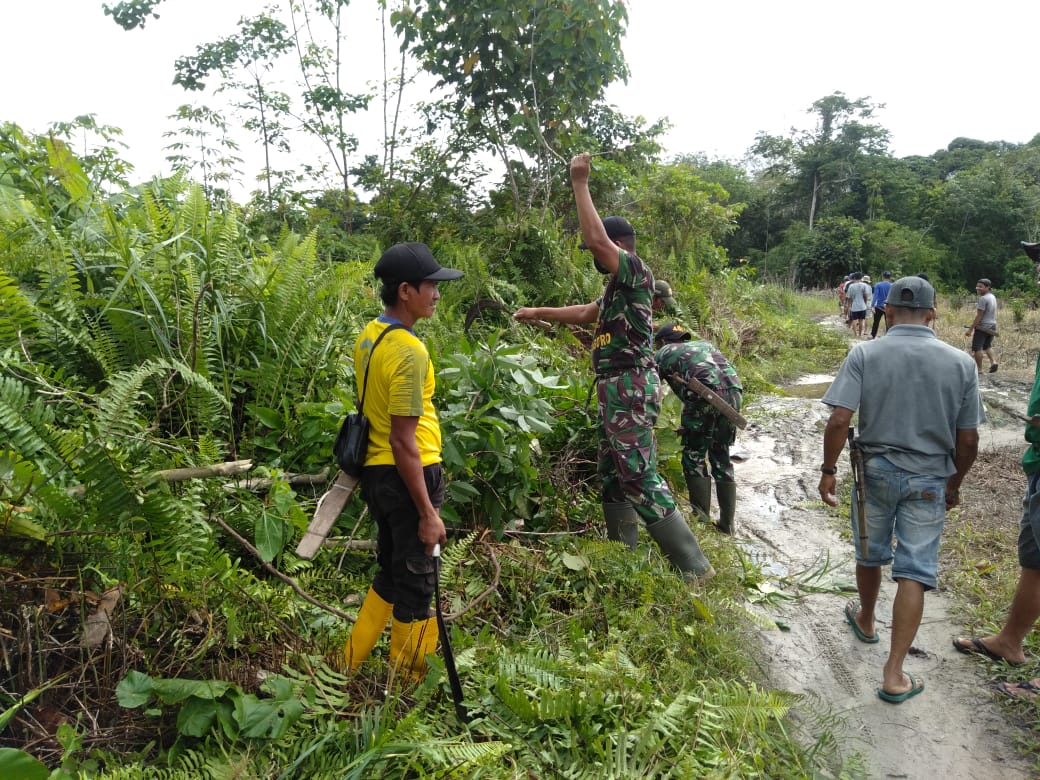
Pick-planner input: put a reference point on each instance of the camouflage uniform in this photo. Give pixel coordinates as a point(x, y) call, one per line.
point(628, 391)
point(705, 430)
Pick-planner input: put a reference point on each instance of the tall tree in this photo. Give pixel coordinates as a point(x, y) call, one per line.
point(520, 73)
point(828, 160)
point(315, 31)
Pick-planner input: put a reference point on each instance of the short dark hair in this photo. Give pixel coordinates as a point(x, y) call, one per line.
point(388, 291)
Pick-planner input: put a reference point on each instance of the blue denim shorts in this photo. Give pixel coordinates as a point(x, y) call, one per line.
point(1029, 529)
point(909, 507)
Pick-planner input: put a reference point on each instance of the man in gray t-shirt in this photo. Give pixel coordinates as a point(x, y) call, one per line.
point(858, 296)
point(984, 327)
point(919, 408)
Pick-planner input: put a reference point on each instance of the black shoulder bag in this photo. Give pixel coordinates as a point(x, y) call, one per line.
point(352, 441)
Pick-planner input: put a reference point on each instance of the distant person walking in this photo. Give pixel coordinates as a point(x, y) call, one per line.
point(857, 297)
point(984, 327)
point(1025, 606)
point(919, 410)
point(877, 302)
point(841, 294)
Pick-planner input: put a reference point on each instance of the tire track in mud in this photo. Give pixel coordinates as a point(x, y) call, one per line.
point(954, 728)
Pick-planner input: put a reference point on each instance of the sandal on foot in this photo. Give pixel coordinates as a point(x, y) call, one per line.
point(850, 617)
point(993, 368)
point(916, 686)
point(1027, 690)
point(976, 646)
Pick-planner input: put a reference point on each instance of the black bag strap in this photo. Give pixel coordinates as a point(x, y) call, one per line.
point(364, 385)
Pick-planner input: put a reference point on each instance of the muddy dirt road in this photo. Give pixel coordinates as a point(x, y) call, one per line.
point(954, 729)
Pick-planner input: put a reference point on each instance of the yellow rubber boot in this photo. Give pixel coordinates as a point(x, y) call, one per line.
point(410, 643)
point(371, 620)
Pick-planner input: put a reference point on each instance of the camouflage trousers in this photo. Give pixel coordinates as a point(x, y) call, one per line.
point(629, 404)
point(706, 433)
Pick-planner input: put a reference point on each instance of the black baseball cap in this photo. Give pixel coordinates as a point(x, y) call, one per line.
point(616, 227)
point(412, 262)
point(672, 333)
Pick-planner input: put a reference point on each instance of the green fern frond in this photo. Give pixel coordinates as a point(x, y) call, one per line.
point(537, 666)
point(748, 707)
point(68, 171)
point(193, 215)
point(60, 287)
point(160, 220)
point(18, 318)
point(25, 419)
point(758, 619)
point(118, 405)
point(110, 488)
point(455, 553)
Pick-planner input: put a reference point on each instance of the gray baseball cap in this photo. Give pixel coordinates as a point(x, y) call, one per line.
point(911, 292)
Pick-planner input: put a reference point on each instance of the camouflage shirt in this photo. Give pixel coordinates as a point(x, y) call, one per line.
point(697, 359)
point(624, 335)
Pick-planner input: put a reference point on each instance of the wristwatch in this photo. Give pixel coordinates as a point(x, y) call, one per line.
point(828, 472)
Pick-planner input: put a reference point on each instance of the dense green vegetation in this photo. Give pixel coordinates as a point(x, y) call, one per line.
point(155, 626)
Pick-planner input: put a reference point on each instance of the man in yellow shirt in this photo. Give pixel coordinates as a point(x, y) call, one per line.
point(402, 481)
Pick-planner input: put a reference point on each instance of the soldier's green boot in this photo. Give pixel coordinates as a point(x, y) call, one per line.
point(727, 495)
point(622, 523)
point(680, 546)
point(700, 496)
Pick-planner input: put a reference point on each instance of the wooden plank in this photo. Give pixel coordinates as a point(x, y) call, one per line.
point(330, 505)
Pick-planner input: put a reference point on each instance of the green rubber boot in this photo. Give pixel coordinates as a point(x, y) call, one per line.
point(680, 547)
point(622, 523)
point(700, 496)
point(727, 495)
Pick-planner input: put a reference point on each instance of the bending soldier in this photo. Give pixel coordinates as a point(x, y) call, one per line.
point(706, 432)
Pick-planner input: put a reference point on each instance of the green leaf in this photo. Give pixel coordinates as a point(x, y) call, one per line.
point(575, 562)
point(196, 717)
point(134, 690)
point(272, 418)
point(460, 489)
point(176, 690)
point(266, 718)
point(17, 764)
point(270, 533)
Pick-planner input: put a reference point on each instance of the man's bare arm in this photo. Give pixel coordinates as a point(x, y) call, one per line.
point(578, 314)
point(593, 233)
point(834, 437)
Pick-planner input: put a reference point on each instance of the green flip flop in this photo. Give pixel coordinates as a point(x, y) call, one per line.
point(916, 686)
point(850, 617)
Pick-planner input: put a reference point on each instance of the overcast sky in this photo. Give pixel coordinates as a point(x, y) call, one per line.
point(721, 72)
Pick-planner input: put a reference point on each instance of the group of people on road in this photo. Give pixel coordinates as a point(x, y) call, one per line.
point(857, 297)
point(914, 461)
